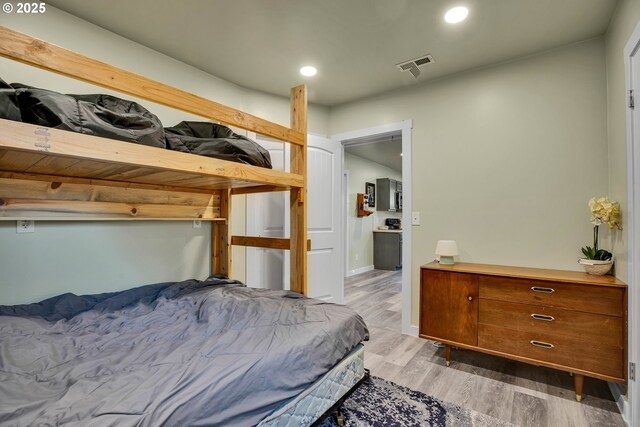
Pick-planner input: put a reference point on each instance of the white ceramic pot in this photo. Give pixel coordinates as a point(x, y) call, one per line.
point(596, 267)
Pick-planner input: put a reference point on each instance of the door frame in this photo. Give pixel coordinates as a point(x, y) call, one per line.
point(345, 214)
point(631, 410)
point(405, 127)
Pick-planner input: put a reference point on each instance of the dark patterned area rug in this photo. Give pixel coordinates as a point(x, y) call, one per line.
point(378, 403)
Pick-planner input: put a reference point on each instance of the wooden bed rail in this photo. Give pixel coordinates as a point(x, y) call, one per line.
point(51, 198)
point(258, 189)
point(264, 242)
point(29, 50)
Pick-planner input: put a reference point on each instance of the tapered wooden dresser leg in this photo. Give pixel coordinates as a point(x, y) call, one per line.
point(578, 381)
point(447, 354)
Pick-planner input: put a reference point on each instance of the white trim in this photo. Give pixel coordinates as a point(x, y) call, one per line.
point(632, 406)
point(375, 130)
point(405, 127)
point(345, 219)
point(620, 401)
point(407, 207)
point(412, 330)
point(359, 270)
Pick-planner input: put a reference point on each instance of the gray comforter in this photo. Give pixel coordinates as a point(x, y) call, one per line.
point(180, 354)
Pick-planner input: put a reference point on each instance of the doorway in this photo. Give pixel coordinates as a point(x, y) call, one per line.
point(373, 166)
point(392, 184)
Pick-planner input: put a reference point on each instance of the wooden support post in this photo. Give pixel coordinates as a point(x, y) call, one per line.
point(298, 201)
point(221, 237)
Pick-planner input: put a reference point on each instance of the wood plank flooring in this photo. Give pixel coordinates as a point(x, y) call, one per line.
point(522, 394)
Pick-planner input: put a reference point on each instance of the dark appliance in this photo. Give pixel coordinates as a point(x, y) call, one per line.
point(393, 223)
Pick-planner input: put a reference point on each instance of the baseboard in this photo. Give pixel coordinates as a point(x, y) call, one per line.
point(359, 270)
point(411, 330)
point(623, 404)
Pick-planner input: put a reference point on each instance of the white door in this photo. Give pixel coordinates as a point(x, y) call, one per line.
point(268, 215)
point(265, 218)
point(324, 166)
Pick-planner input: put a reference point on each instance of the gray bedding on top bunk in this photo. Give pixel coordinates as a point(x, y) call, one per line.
point(199, 353)
point(115, 118)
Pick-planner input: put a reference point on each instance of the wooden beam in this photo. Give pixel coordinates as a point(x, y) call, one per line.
point(264, 242)
point(14, 209)
point(58, 180)
point(57, 189)
point(257, 189)
point(27, 146)
point(32, 51)
point(298, 199)
point(78, 199)
point(221, 238)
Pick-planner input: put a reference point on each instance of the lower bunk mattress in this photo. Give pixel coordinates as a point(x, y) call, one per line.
point(193, 353)
point(310, 405)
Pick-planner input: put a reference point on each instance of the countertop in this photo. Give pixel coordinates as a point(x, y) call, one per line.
point(528, 273)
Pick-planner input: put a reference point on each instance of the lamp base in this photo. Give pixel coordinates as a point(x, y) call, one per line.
point(446, 260)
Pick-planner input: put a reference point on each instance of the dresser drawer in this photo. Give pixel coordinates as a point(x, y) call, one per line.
point(589, 299)
point(553, 322)
point(584, 354)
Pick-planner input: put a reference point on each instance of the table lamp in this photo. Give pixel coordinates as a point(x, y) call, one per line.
point(446, 250)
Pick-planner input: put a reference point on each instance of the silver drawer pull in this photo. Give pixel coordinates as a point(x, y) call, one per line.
point(543, 317)
point(543, 290)
point(541, 344)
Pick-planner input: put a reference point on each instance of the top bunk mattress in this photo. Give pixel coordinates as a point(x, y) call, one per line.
point(208, 352)
point(111, 117)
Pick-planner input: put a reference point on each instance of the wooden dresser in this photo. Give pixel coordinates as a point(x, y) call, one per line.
point(565, 320)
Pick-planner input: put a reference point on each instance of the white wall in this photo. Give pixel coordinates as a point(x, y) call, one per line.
point(623, 22)
point(625, 19)
point(361, 229)
point(505, 158)
point(105, 256)
point(504, 161)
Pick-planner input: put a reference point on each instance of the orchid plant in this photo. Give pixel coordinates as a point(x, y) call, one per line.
point(603, 211)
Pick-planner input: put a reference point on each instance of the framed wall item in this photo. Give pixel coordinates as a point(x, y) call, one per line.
point(370, 191)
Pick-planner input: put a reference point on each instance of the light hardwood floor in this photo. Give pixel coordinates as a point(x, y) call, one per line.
point(522, 394)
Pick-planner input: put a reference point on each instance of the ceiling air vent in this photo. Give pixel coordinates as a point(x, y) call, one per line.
point(413, 65)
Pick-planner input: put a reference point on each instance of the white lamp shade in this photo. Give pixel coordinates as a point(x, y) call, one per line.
point(447, 248)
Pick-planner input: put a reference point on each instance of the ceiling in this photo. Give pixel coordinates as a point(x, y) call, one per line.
point(386, 153)
point(355, 44)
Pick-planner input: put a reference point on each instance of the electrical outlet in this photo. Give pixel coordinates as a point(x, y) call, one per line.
point(357, 257)
point(632, 371)
point(26, 226)
point(197, 223)
point(415, 218)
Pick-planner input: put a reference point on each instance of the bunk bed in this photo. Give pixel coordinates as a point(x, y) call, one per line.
point(51, 174)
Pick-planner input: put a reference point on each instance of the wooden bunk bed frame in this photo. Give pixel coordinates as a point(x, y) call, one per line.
point(50, 174)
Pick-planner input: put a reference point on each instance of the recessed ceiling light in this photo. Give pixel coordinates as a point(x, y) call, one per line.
point(456, 14)
point(308, 71)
